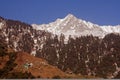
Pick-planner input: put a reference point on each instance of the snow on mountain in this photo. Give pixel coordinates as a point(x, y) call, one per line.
point(1, 24)
point(70, 25)
point(111, 29)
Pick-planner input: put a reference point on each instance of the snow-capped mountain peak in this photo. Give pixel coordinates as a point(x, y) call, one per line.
point(71, 25)
point(70, 16)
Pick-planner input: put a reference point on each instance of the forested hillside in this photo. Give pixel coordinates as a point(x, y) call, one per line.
point(85, 55)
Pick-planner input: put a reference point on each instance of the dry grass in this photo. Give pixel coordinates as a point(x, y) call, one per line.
point(40, 67)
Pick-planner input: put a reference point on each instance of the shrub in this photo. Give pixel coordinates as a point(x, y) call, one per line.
point(56, 77)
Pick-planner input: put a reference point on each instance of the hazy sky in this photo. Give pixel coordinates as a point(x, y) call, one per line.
point(102, 12)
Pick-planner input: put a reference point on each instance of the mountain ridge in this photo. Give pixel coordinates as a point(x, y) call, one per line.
point(71, 25)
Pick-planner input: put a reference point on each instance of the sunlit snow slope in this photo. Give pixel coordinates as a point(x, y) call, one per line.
point(70, 25)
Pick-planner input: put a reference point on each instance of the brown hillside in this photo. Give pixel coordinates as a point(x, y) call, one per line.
point(39, 66)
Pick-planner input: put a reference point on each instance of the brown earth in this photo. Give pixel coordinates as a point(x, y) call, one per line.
point(39, 68)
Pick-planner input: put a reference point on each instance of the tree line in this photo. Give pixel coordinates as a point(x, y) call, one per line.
point(86, 55)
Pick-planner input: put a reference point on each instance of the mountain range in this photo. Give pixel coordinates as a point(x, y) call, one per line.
point(72, 45)
point(70, 25)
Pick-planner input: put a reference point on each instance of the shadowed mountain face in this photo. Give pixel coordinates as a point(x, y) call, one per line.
point(86, 55)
